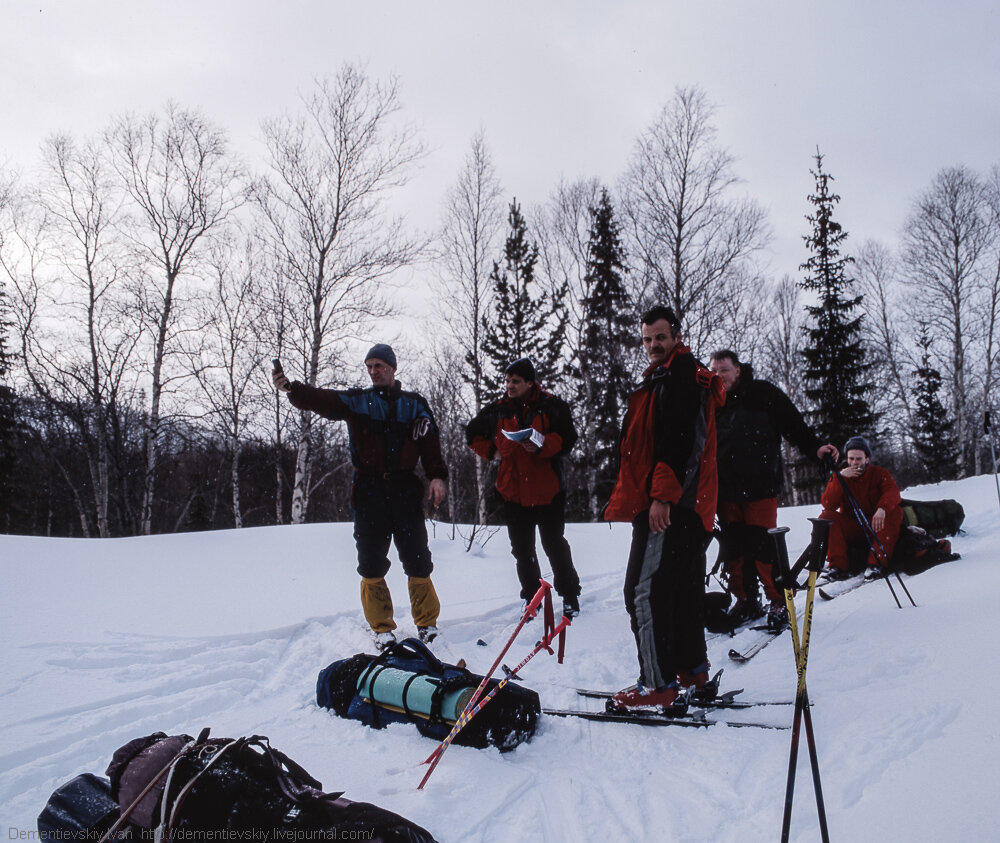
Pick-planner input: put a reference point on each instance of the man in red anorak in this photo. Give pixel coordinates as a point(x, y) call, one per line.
point(666, 488)
point(530, 477)
point(878, 498)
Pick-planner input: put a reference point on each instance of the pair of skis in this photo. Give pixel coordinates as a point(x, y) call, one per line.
point(679, 714)
point(759, 643)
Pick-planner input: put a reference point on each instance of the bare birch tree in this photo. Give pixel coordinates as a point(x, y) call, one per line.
point(473, 220)
point(781, 363)
point(184, 187)
point(76, 340)
point(331, 170)
point(945, 247)
point(990, 313)
point(563, 228)
point(878, 279)
point(228, 365)
point(687, 231)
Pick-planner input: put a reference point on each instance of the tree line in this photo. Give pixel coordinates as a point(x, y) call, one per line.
point(148, 275)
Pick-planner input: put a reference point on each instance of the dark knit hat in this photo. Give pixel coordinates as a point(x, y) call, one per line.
point(858, 443)
point(523, 368)
point(383, 352)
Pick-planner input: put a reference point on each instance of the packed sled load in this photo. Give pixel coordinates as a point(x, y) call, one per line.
point(171, 784)
point(408, 684)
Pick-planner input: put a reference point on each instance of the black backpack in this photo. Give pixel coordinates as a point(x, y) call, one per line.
point(176, 784)
point(917, 551)
point(508, 720)
point(939, 518)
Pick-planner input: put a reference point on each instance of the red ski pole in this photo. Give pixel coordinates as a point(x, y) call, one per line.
point(529, 612)
point(468, 713)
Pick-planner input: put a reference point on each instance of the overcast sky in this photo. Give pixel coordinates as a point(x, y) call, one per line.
point(891, 92)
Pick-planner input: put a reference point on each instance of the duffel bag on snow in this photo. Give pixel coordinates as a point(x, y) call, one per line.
point(82, 809)
point(177, 784)
point(917, 551)
point(939, 518)
point(408, 684)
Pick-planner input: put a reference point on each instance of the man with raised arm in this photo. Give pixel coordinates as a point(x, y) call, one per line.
point(390, 431)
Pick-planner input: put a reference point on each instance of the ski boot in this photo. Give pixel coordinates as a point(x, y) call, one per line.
point(667, 701)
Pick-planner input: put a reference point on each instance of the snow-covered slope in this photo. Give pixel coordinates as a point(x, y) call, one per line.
point(104, 641)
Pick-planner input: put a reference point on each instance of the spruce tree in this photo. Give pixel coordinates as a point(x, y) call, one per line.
point(934, 430)
point(523, 323)
point(601, 368)
point(837, 384)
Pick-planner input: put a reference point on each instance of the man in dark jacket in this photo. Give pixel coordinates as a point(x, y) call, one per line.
point(530, 477)
point(666, 488)
point(389, 431)
point(751, 425)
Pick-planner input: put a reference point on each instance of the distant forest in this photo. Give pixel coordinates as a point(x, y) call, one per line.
point(148, 275)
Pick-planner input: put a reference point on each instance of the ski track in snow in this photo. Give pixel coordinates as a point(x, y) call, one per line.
point(899, 696)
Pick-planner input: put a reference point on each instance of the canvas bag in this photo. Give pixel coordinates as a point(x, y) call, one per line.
point(176, 783)
point(939, 518)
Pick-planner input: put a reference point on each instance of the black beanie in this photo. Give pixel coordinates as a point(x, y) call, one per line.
point(523, 368)
point(858, 443)
point(383, 352)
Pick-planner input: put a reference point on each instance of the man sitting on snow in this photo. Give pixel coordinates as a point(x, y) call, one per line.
point(878, 499)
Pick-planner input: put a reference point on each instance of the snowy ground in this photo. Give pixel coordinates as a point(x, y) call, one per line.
point(104, 641)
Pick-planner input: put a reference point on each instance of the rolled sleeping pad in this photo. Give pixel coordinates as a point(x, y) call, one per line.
point(402, 690)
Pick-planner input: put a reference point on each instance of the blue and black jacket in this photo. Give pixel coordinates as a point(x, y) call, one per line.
point(389, 429)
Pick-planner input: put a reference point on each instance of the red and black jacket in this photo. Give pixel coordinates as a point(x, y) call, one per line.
point(667, 445)
point(528, 479)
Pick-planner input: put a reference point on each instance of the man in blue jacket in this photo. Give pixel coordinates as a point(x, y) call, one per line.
point(390, 431)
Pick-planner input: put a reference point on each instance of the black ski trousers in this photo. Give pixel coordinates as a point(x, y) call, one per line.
point(390, 507)
point(665, 597)
point(550, 519)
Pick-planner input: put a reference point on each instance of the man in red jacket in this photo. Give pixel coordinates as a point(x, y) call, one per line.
point(877, 496)
point(530, 478)
point(666, 488)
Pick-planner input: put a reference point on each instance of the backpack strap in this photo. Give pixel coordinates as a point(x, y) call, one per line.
point(166, 770)
point(295, 782)
point(417, 648)
point(166, 824)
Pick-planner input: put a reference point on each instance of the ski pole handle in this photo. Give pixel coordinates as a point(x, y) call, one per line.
point(784, 577)
point(817, 543)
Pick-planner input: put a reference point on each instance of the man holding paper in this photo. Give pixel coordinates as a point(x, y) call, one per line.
point(530, 430)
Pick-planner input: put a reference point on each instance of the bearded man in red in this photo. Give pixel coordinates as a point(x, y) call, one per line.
point(666, 488)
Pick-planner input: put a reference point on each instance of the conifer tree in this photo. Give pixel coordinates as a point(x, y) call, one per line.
point(934, 430)
point(601, 369)
point(523, 323)
point(836, 376)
